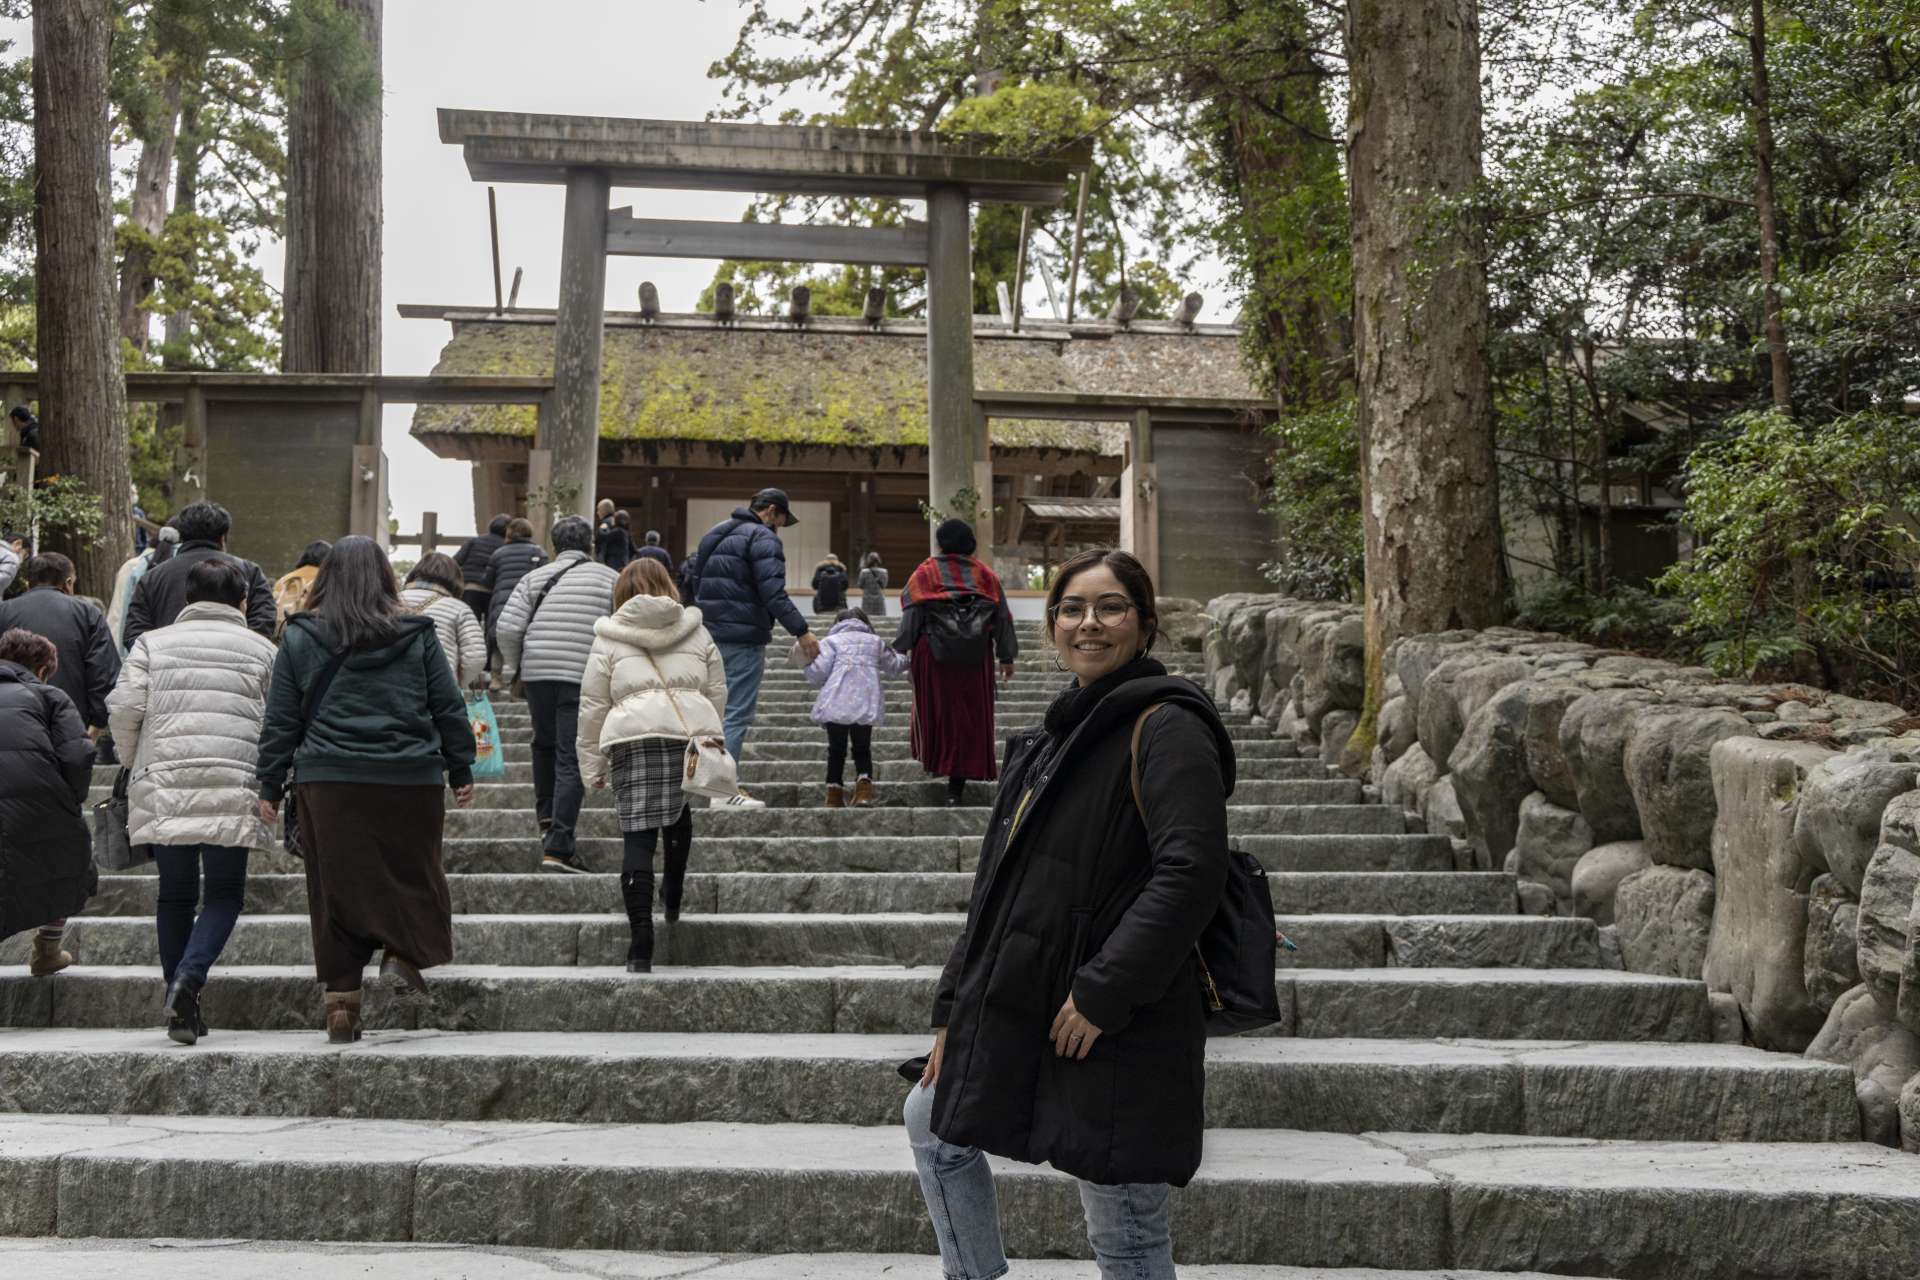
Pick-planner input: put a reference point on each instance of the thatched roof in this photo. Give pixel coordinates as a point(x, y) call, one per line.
point(828, 384)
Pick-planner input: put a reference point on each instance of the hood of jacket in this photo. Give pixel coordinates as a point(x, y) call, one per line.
point(850, 624)
point(649, 622)
point(14, 673)
point(407, 627)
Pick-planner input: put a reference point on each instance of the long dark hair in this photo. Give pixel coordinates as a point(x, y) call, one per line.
point(355, 593)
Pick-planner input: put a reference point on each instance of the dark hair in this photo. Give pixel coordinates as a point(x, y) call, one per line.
point(438, 569)
point(315, 554)
point(571, 533)
point(519, 529)
point(871, 560)
point(498, 525)
point(1133, 578)
point(218, 579)
point(644, 576)
point(955, 538)
point(653, 537)
point(48, 569)
point(853, 615)
point(622, 519)
point(355, 592)
point(202, 522)
point(30, 649)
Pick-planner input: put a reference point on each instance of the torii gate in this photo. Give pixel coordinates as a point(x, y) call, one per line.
point(591, 154)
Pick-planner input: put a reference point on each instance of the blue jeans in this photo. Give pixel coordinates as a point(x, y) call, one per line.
point(745, 664)
point(1126, 1224)
point(188, 947)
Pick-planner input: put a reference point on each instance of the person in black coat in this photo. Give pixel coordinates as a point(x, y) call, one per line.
point(162, 592)
point(89, 664)
point(518, 556)
point(1070, 1019)
point(473, 557)
point(613, 542)
point(830, 585)
point(46, 763)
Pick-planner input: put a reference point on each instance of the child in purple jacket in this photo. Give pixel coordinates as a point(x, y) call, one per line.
point(851, 664)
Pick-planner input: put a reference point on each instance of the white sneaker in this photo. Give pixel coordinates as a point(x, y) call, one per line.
point(741, 800)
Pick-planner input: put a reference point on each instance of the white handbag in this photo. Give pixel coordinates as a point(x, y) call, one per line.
point(711, 772)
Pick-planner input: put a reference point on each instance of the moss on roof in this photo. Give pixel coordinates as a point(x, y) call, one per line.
point(773, 386)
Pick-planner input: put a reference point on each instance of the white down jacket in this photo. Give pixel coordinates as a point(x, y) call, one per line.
point(461, 636)
point(186, 718)
point(622, 698)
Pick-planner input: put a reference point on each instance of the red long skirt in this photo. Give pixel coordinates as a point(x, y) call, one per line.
point(953, 734)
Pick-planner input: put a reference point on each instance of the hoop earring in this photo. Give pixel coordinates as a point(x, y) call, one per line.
point(1057, 664)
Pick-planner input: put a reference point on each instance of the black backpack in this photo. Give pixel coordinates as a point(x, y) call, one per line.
point(960, 632)
point(1238, 951)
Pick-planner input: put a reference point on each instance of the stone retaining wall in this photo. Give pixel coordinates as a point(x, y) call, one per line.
point(1764, 838)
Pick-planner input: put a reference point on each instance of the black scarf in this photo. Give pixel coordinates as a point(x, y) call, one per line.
point(1076, 702)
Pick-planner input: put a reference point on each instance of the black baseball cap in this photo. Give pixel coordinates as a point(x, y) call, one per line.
point(776, 498)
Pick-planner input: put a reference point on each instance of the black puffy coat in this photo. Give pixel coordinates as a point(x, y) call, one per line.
point(46, 762)
point(162, 594)
point(1079, 894)
point(511, 562)
point(829, 587)
point(740, 582)
point(89, 662)
point(473, 557)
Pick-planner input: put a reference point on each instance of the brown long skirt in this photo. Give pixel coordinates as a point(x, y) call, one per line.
point(374, 879)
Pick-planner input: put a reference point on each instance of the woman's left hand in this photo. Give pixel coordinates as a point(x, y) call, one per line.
point(269, 812)
point(1072, 1034)
point(463, 796)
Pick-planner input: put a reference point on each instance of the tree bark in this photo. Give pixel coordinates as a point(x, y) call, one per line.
point(82, 398)
point(1776, 330)
point(148, 214)
point(332, 294)
point(189, 146)
point(1424, 410)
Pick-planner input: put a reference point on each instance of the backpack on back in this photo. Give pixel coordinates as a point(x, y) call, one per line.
point(960, 632)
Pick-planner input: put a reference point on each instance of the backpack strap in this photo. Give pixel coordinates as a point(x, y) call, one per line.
point(547, 587)
point(1133, 756)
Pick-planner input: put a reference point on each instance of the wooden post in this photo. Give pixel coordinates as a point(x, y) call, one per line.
point(983, 519)
point(429, 532)
point(493, 232)
point(370, 471)
point(950, 427)
point(574, 434)
point(192, 465)
point(539, 484)
point(1139, 504)
point(860, 511)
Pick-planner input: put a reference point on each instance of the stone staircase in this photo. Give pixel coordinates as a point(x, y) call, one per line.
point(1456, 1085)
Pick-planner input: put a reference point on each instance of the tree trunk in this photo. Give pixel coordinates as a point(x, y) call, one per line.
point(82, 398)
point(1763, 201)
point(148, 214)
point(189, 146)
point(332, 294)
point(1424, 411)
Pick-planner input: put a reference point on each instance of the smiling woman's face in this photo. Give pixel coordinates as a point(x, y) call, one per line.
point(1092, 631)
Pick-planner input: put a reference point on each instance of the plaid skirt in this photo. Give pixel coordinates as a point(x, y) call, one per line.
point(646, 781)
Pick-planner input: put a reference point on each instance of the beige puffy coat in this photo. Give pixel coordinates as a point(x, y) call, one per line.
point(462, 637)
point(622, 698)
point(186, 717)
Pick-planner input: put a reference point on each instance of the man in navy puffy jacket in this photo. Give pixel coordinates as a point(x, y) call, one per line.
point(739, 581)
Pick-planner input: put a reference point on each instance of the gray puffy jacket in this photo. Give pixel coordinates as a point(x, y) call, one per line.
point(555, 644)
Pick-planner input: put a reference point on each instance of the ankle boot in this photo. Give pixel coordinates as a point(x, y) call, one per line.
point(836, 796)
point(48, 958)
point(636, 890)
point(343, 1017)
point(183, 1013)
point(863, 793)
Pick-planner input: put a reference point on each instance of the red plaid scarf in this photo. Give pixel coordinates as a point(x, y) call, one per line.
point(945, 577)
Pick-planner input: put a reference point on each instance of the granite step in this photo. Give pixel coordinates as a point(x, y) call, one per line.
point(1256, 769)
point(835, 939)
point(1396, 1003)
point(1678, 1210)
point(849, 892)
point(1703, 1093)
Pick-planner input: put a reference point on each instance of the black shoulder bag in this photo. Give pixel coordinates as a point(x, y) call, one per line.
point(1238, 950)
point(960, 632)
point(290, 809)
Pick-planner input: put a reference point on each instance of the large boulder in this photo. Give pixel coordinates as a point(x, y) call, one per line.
point(1593, 741)
point(1183, 624)
point(1884, 1056)
point(1839, 822)
point(1408, 779)
point(1759, 944)
point(1547, 764)
point(1336, 728)
point(1833, 941)
point(1550, 842)
point(1668, 768)
point(1663, 916)
point(1394, 728)
point(1489, 771)
point(1442, 813)
point(1343, 662)
point(1455, 690)
point(1598, 873)
point(1887, 952)
point(1910, 1117)
point(1247, 645)
point(1412, 658)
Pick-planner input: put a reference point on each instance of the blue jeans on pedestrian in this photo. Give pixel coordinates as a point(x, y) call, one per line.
point(1126, 1224)
point(745, 664)
point(188, 947)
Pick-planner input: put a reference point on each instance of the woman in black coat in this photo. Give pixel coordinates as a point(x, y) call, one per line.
point(1070, 1019)
point(46, 763)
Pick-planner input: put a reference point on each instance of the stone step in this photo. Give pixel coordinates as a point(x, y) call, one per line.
point(1678, 1210)
point(1498, 1004)
point(829, 939)
point(170, 1259)
point(1704, 1093)
point(1265, 769)
point(850, 892)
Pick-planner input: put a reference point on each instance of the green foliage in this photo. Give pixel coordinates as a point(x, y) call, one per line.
point(1023, 120)
point(1834, 502)
point(1316, 496)
point(1624, 616)
point(60, 505)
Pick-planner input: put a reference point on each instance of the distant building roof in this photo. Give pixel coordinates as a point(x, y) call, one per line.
point(831, 382)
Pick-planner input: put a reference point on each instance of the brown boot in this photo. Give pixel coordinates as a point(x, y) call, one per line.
point(836, 797)
point(343, 1017)
point(863, 793)
point(48, 959)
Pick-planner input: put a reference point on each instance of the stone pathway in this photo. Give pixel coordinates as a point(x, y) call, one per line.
point(1456, 1086)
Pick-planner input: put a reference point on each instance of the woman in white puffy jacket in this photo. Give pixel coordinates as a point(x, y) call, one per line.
point(654, 679)
point(434, 588)
point(186, 718)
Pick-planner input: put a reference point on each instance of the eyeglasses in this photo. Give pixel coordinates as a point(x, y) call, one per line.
point(1111, 610)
